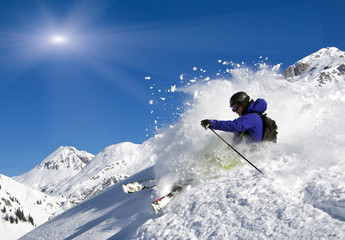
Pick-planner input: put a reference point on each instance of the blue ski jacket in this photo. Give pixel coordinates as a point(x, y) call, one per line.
point(250, 122)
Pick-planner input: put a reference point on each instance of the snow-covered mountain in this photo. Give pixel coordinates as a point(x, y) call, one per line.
point(78, 175)
point(326, 65)
point(71, 176)
point(56, 169)
point(300, 196)
point(108, 167)
point(23, 208)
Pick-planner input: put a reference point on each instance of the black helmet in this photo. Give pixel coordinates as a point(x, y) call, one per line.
point(240, 98)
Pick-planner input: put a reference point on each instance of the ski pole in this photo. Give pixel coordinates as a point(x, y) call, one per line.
point(236, 151)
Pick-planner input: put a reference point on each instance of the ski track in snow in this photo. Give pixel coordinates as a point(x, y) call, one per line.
point(301, 195)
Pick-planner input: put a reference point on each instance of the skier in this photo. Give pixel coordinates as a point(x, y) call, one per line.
point(249, 126)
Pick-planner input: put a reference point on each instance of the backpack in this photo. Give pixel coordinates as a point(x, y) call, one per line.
point(269, 131)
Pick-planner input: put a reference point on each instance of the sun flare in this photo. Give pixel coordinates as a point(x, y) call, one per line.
point(58, 39)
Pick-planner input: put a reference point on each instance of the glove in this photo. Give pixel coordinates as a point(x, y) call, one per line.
point(206, 124)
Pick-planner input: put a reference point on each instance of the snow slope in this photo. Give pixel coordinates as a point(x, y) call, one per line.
point(18, 198)
point(301, 195)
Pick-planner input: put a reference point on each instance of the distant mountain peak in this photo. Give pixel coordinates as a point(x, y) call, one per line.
point(323, 66)
point(66, 158)
point(56, 169)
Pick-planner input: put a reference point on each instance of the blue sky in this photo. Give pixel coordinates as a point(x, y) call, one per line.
point(87, 89)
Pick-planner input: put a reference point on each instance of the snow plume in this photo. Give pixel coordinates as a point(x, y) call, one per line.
point(308, 117)
point(186, 149)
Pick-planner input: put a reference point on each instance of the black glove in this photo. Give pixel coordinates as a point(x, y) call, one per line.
point(206, 124)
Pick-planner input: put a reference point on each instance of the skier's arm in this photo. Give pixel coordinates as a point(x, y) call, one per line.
point(238, 125)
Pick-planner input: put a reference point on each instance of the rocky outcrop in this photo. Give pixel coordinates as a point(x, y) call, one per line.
point(325, 66)
point(296, 70)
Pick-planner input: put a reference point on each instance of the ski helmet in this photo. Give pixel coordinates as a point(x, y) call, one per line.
point(239, 98)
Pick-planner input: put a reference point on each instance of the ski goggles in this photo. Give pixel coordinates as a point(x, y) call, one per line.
point(234, 107)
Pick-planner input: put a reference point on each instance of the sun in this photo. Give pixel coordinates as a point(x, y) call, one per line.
point(58, 39)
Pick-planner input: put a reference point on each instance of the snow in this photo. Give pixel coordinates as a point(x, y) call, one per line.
point(14, 196)
point(173, 88)
point(300, 196)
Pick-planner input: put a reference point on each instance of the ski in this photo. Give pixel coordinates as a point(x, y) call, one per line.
point(138, 186)
point(162, 202)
